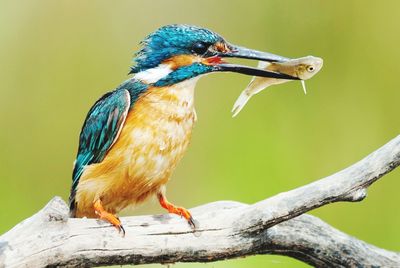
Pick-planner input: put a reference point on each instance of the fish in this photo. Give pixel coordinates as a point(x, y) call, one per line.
point(303, 68)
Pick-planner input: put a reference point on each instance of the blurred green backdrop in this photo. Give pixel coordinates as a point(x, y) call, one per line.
point(58, 57)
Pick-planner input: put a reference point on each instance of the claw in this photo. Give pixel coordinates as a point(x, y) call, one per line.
point(192, 223)
point(183, 212)
point(123, 230)
point(106, 216)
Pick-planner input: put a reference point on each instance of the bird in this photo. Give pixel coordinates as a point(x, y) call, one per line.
point(134, 136)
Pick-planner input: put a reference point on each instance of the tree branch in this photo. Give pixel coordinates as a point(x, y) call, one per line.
point(227, 229)
point(50, 239)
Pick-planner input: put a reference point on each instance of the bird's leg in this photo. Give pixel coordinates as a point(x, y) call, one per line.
point(107, 216)
point(175, 210)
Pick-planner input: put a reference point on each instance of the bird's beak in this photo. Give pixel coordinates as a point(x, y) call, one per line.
point(233, 51)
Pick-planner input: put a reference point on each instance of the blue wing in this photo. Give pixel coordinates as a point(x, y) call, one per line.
point(99, 132)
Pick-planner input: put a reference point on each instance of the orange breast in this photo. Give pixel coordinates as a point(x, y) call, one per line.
point(153, 139)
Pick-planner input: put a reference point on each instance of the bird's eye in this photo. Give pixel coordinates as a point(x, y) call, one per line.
point(200, 48)
point(310, 69)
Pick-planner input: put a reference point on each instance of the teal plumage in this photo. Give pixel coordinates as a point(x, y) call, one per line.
point(183, 73)
point(171, 40)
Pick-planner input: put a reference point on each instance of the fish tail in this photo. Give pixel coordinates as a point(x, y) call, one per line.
point(240, 103)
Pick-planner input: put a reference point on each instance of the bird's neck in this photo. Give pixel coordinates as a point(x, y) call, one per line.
point(176, 100)
point(183, 91)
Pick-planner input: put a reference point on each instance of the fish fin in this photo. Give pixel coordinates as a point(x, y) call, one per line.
point(240, 103)
point(194, 115)
point(255, 86)
point(303, 83)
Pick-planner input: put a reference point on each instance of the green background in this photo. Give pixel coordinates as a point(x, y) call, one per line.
point(58, 57)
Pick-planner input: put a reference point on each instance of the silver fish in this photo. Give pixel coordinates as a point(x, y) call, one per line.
point(303, 68)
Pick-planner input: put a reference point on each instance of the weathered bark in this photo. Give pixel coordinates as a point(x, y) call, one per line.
point(226, 229)
point(50, 239)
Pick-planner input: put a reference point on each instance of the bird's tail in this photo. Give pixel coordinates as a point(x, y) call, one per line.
point(72, 204)
point(240, 103)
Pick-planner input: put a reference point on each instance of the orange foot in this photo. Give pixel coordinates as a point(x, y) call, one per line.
point(104, 215)
point(176, 210)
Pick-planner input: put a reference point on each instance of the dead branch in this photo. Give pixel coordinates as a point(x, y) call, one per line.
point(227, 229)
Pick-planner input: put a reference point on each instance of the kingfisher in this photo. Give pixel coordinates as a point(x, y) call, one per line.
point(134, 136)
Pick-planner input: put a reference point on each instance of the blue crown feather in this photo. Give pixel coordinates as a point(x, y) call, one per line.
point(169, 41)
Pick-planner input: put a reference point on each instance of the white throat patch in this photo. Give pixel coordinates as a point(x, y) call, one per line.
point(152, 75)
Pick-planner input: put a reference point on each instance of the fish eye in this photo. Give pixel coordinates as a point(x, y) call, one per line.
point(310, 69)
point(200, 48)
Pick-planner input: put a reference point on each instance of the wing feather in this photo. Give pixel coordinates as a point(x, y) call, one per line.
point(100, 130)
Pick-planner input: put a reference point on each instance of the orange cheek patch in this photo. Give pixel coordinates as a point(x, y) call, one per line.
point(180, 60)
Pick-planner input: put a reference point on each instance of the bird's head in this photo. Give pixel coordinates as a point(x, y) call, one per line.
point(175, 53)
